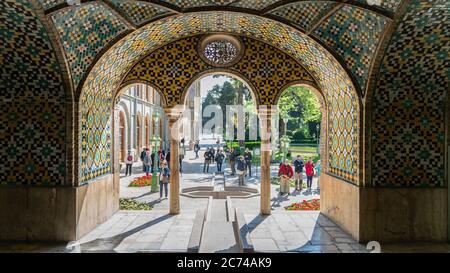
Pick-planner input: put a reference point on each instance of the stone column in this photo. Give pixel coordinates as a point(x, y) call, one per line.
point(173, 116)
point(265, 118)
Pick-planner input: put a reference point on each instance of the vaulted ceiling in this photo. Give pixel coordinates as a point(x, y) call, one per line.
point(350, 29)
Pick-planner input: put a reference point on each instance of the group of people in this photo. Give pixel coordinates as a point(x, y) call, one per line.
point(148, 160)
point(286, 173)
point(211, 156)
point(239, 164)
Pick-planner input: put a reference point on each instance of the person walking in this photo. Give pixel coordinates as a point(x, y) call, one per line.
point(143, 153)
point(196, 149)
point(241, 169)
point(147, 162)
point(248, 161)
point(219, 160)
point(164, 179)
point(167, 158)
point(285, 173)
point(298, 168)
point(207, 156)
point(232, 160)
point(309, 168)
point(318, 174)
point(129, 163)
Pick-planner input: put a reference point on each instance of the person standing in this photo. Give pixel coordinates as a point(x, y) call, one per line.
point(309, 168)
point(147, 162)
point(164, 179)
point(129, 163)
point(213, 154)
point(196, 149)
point(219, 160)
point(143, 153)
point(167, 158)
point(232, 160)
point(298, 168)
point(248, 161)
point(318, 174)
point(241, 169)
point(207, 156)
point(152, 157)
point(285, 173)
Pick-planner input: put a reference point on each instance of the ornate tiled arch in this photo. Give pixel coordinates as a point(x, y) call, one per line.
point(108, 73)
point(84, 31)
point(172, 67)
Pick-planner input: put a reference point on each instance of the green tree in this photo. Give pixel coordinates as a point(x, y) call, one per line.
point(302, 109)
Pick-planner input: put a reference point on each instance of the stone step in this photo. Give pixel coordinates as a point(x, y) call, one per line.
point(218, 237)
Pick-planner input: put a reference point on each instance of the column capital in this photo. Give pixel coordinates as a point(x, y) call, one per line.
point(174, 113)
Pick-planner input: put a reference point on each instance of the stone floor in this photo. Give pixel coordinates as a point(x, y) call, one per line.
point(156, 231)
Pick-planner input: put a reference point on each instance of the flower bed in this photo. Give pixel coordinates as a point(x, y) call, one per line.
point(129, 204)
point(313, 204)
point(143, 181)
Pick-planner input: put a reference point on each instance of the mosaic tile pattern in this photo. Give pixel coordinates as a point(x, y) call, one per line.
point(32, 101)
point(96, 98)
point(198, 3)
point(354, 34)
point(47, 4)
point(172, 67)
point(302, 14)
point(408, 141)
point(254, 4)
point(139, 12)
point(84, 31)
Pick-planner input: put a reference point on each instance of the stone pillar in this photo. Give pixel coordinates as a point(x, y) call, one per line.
point(265, 118)
point(173, 116)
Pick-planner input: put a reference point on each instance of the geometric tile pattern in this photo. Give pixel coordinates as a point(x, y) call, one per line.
point(105, 78)
point(354, 34)
point(198, 3)
point(254, 4)
point(84, 31)
point(172, 67)
point(408, 108)
point(302, 14)
point(46, 4)
point(32, 101)
point(139, 12)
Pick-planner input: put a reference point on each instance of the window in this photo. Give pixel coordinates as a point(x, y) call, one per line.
point(220, 50)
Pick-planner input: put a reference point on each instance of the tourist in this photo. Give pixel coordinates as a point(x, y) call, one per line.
point(180, 158)
point(248, 160)
point(213, 154)
point(197, 148)
point(152, 157)
point(167, 158)
point(285, 173)
point(219, 160)
point(232, 160)
point(309, 167)
point(298, 168)
point(129, 163)
point(164, 179)
point(207, 156)
point(241, 169)
point(143, 153)
point(318, 174)
point(147, 162)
